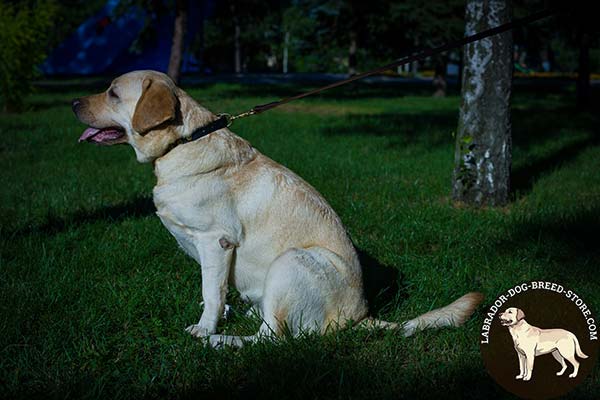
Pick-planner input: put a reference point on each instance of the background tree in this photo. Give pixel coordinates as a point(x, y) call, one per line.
point(428, 24)
point(179, 31)
point(585, 24)
point(483, 142)
point(295, 25)
point(347, 31)
point(153, 7)
point(69, 14)
point(583, 70)
point(24, 44)
point(567, 42)
point(237, 35)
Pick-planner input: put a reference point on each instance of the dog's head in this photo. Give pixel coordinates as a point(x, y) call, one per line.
point(142, 108)
point(511, 316)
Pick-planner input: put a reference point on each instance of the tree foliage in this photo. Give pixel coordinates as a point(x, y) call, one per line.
point(320, 32)
point(24, 38)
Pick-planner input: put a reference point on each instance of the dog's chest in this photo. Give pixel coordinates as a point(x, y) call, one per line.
point(519, 339)
point(190, 211)
point(183, 234)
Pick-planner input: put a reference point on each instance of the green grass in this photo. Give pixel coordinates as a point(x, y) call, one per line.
point(95, 294)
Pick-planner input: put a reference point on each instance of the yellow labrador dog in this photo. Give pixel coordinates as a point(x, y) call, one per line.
point(531, 342)
point(247, 220)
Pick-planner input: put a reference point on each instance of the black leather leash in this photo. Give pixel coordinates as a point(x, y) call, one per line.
point(219, 123)
point(225, 120)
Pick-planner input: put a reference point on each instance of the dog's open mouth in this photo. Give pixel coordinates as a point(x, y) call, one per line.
point(104, 136)
point(504, 322)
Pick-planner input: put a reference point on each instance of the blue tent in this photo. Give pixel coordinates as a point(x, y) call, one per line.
point(110, 43)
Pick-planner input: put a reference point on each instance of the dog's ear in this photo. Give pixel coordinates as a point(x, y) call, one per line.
point(520, 314)
point(156, 105)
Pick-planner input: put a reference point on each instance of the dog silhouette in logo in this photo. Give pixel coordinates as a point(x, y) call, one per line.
point(531, 341)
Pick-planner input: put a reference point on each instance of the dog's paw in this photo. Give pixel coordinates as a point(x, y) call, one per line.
point(409, 328)
point(519, 377)
point(526, 378)
point(573, 375)
point(220, 341)
point(216, 341)
point(198, 331)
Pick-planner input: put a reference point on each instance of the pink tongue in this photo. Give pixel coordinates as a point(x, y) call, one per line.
point(89, 132)
point(100, 135)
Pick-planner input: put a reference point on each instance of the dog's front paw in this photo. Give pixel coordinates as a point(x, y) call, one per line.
point(198, 330)
point(526, 378)
point(519, 377)
point(573, 375)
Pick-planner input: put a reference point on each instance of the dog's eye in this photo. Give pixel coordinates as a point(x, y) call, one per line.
point(510, 311)
point(112, 94)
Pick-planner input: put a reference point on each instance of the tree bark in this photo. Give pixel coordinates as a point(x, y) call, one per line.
point(176, 57)
point(483, 143)
point(461, 65)
point(583, 71)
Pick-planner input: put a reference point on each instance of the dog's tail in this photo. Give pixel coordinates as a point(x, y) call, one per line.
point(580, 353)
point(454, 314)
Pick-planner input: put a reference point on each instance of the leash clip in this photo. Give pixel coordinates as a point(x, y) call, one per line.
point(230, 118)
point(227, 117)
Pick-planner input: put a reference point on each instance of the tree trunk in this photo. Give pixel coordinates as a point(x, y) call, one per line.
point(439, 79)
point(414, 68)
point(583, 71)
point(237, 46)
point(237, 49)
point(176, 57)
point(286, 43)
point(483, 142)
point(352, 54)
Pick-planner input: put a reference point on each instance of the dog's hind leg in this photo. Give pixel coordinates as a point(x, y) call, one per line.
point(307, 290)
point(575, 364)
point(556, 354)
point(304, 292)
point(566, 347)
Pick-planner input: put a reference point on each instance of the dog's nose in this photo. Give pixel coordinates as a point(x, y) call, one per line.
point(75, 104)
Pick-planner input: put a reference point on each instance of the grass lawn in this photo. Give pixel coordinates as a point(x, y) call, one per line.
point(95, 294)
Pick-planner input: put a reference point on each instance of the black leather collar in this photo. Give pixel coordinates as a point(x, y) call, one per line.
point(222, 122)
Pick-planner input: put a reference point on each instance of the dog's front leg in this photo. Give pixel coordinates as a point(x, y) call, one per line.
point(529, 361)
point(215, 265)
point(521, 365)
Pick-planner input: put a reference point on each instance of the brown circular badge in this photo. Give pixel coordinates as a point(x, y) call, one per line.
point(539, 340)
